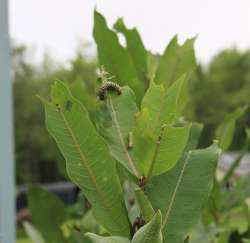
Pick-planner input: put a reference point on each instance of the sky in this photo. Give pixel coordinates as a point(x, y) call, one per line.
point(58, 26)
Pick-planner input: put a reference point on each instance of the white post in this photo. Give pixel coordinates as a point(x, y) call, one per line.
point(7, 181)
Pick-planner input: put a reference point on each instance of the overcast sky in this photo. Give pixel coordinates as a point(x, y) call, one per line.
point(58, 25)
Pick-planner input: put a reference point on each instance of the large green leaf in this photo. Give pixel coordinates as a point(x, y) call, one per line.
point(101, 239)
point(116, 118)
point(176, 60)
point(181, 193)
point(89, 164)
point(225, 131)
point(48, 214)
point(115, 58)
point(151, 232)
point(164, 105)
point(158, 152)
point(135, 47)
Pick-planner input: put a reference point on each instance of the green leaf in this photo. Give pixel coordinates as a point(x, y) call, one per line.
point(79, 90)
point(176, 60)
point(145, 206)
point(115, 58)
point(181, 193)
point(151, 232)
point(225, 130)
point(157, 155)
point(164, 105)
point(89, 164)
point(89, 224)
point(194, 136)
point(100, 239)
point(152, 65)
point(135, 47)
point(32, 233)
point(48, 214)
point(116, 121)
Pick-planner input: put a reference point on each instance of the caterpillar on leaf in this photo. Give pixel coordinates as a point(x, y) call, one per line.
point(108, 86)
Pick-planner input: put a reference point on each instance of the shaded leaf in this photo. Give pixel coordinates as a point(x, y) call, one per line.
point(89, 164)
point(135, 47)
point(176, 60)
point(151, 232)
point(48, 214)
point(100, 239)
point(225, 131)
point(181, 193)
point(145, 206)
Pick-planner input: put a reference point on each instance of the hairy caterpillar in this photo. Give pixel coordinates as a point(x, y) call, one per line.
point(108, 86)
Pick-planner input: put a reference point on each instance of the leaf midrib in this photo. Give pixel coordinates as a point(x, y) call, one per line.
point(175, 192)
point(83, 158)
point(119, 133)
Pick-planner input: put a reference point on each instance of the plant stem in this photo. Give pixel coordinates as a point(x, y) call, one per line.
point(158, 142)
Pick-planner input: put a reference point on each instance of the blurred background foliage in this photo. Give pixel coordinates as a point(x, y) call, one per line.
point(216, 89)
point(219, 88)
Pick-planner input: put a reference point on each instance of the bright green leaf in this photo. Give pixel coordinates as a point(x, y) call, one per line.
point(164, 105)
point(159, 154)
point(89, 164)
point(182, 192)
point(176, 60)
point(152, 65)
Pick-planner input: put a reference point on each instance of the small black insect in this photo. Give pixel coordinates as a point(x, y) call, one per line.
point(108, 86)
point(68, 105)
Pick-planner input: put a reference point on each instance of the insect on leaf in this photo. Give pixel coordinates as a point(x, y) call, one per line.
point(116, 118)
point(115, 58)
